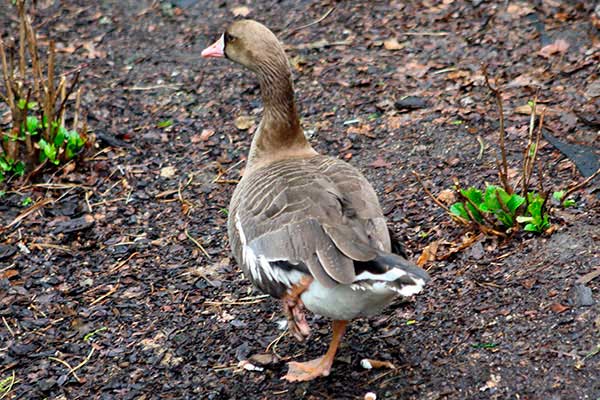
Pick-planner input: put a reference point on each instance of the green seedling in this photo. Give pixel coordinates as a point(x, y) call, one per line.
point(560, 197)
point(10, 167)
point(537, 220)
point(224, 211)
point(26, 201)
point(91, 334)
point(165, 124)
point(484, 345)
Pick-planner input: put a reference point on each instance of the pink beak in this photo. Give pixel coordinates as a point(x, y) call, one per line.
point(216, 50)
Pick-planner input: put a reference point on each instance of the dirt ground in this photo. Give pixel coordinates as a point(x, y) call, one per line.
point(127, 276)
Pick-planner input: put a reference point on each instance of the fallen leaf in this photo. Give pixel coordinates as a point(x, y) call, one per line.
point(447, 196)
point(558, 308)
point(206, 133)
point(528, 283)
point(380, 163)
point(361, 130)
point(243, 122)
point(519, 9)
point(168, 172)
point(92, 51)
point(240, 11)
point(428, 254)
point(9, 273)
point(392, 44)
point(559, 46)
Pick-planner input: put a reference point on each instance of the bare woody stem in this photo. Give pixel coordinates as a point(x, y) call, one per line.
point(503, 171)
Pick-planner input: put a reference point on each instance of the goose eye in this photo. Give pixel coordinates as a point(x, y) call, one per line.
point(229, 38)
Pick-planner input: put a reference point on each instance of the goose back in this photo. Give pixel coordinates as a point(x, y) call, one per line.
point(294, 217)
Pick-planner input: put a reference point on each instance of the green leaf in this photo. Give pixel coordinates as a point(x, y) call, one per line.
point(558, 195)
point(459, 210)
point(514, 203)
point(531, 228)
point(4, 165)
point(19, 168)
point(490, 198)
point(21, 104)
point(475, 212)
point(165, 124)
point(32, 124)
point(60, 136)
point(26, 201)
point(568, 203)
point(473, 194)
point(49, 151)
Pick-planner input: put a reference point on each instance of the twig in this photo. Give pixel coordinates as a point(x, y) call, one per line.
point(503, 173)
point(315, 22)
point(424, 33)
point(439, 203)
point(26, 213)
point(196, 243)
point(72, 370)
point(105, 295)
point(8, 327)
point(581, 184)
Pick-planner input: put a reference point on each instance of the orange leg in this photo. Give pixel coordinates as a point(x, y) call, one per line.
point(293, 310)
point(321, 366)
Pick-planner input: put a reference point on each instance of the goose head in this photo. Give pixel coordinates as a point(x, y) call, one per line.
point(250, 44)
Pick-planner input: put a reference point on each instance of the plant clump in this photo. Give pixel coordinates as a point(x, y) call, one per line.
point(37, 99)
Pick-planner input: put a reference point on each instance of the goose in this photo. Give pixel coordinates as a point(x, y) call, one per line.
point(306, 228)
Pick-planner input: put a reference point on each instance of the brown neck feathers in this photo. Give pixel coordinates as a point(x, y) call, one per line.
point(279, 132)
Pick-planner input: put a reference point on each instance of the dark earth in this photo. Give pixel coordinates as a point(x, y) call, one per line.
point(123, 270)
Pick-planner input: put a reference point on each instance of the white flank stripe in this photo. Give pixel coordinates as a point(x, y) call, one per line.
point(389, 276)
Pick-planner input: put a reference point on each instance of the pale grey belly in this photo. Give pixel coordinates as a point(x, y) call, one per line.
point(344, 303)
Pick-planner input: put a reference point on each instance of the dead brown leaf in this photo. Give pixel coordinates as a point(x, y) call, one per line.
point(559, 46)
point(206, 134)
point(243, 122)
point(392, 44)
point(429, 253)
point(447, 196)
point(380, 163)
point(558, 308)
point(241, 11)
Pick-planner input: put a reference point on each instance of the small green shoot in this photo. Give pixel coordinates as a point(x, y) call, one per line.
point(373, 116)
point(7, 384)
point(484, 345)
point(411, 322)
point(559, 196)
point(27, 201)
point(224, 211)
point(537, 220)
point(165, 124)
point(91, 334)
point(457, 122)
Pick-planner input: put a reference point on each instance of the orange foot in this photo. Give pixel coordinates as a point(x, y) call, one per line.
point(306, 371)
point(321, 366)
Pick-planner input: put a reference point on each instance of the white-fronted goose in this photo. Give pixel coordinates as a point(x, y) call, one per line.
point(306, 228)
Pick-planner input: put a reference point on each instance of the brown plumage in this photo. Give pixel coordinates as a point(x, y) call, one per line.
point(306, 228)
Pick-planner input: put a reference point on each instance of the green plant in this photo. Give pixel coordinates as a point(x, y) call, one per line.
point(494, 202)
point(37, 100)
point(537, 219)
point(559, 196)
